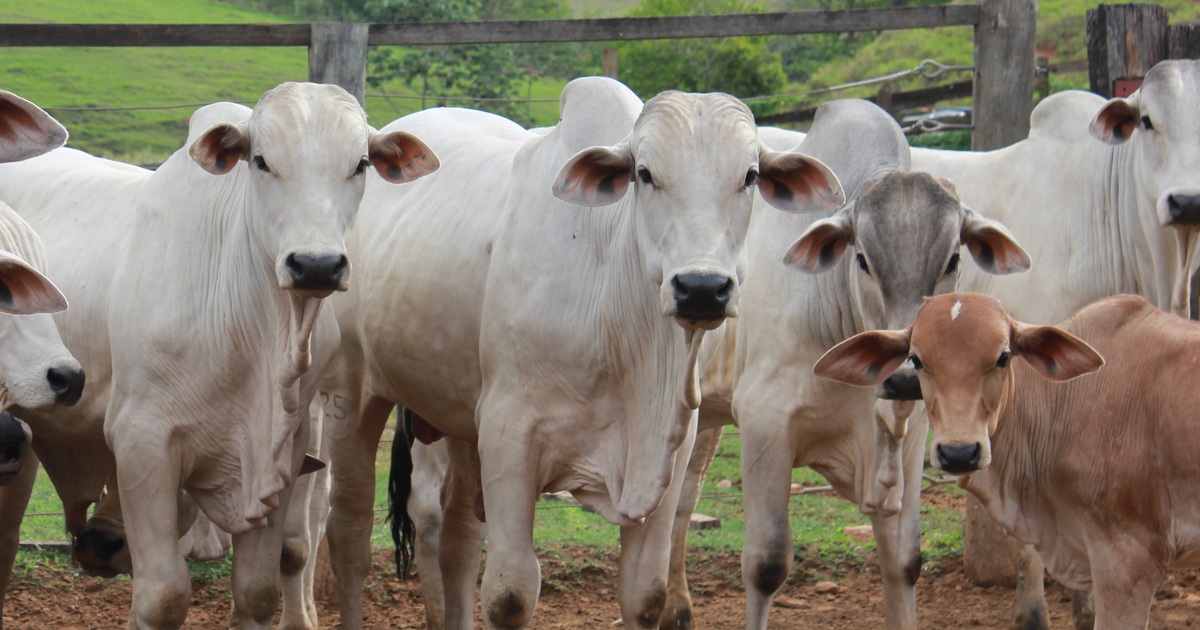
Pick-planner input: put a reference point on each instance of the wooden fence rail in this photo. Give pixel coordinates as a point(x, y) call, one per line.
point(503, 32)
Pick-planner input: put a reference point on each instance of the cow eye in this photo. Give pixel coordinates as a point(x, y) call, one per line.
point(952, 266)
point(751, 178)
point(1146, 124)
point(1002, 362)
point(362, 167)
point(917, 365)
point(644, 175)
point(862, 264)
point(261, 164)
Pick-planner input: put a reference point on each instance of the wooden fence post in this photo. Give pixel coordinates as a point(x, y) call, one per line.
point(338, 55)
point(1183, 41)
point(1004, 72)
point(609, 62)
point(1005, 69)
point(1124, 41)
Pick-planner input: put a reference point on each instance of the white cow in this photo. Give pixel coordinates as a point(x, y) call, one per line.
point(1099, 219)
point(36, 370)
point(212, 311)
point(904, 231)
point(599, 313)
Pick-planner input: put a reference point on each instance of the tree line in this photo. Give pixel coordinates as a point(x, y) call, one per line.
point(742, 66)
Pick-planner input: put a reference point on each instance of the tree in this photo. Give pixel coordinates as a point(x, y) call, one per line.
point(472, 71)
point(742, 66)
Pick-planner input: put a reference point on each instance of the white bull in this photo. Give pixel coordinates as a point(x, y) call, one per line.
point(598, 313)
point(212, 313)
point(1106, 212)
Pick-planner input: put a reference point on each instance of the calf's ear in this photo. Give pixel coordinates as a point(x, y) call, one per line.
point(219, 148)
point(865, 359)
point(400, 157)
point(24, 290)
point(798, 183)
point(1115, 122)
point(992, 246)
point(26, 130)
point(1054, 353)
point(822, 244)
point(598, 176)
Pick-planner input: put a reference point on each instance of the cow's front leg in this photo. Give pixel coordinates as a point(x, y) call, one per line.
point(148, 474)
point(256, 555)
point(677, 614)
point(898, 537)
point(766, 483)
point(299, 550)
point(646, 549)
point(512, 580)
point(1125, 576)
point(353, 435)
point(461, 531)
point(14, 498)
point(1029, 601)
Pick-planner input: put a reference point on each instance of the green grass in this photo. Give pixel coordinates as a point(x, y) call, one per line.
point(57, 78)
point(818, 521)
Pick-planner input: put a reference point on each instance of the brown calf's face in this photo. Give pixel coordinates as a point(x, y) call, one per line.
point(963, 346)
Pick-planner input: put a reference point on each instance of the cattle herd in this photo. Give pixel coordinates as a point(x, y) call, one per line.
point(582, 308)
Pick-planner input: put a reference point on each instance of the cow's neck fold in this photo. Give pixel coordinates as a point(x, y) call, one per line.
point(656, 353)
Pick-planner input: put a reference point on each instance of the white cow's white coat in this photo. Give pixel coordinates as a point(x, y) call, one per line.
point(587, 382)
point(214, 357)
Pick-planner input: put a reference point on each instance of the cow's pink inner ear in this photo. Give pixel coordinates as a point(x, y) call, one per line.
point(219, 149)
point(25, 130)
point(865, 359)
point(1116, 121)
point(595, 177)
point(25, 291)
point(1054, 353)
point(401, 157)
point(794, 182)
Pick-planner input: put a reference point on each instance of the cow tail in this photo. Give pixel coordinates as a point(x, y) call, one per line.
point(399, 490)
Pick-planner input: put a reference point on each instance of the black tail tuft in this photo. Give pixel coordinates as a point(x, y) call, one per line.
point(404, 533)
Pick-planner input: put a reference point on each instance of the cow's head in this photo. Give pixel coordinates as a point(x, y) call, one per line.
point(907, 231)
point(1162, 124)
point(308, 148)
point(962, 345)
point(693, 162)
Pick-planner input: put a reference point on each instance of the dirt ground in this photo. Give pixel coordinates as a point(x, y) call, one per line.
point(586, 598)
point(579, 591)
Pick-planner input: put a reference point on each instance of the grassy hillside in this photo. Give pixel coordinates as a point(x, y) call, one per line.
point(1061, 36)
point(60, 78)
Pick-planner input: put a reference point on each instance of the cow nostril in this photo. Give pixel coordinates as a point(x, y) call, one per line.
point(67, 385)
point(339, 268)
point(902, 387)
point(1184, 208)
point(294, 266)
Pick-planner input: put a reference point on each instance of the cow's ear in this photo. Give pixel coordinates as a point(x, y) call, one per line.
point(597, 176)
point(822, 244)
point(26, 130)
point(1116, 121)
point(219, 148)
point(400, 157)
point(1054, 353)
point(866, 358)
point(24, 290)
point(992, 246)
point(798, 183)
